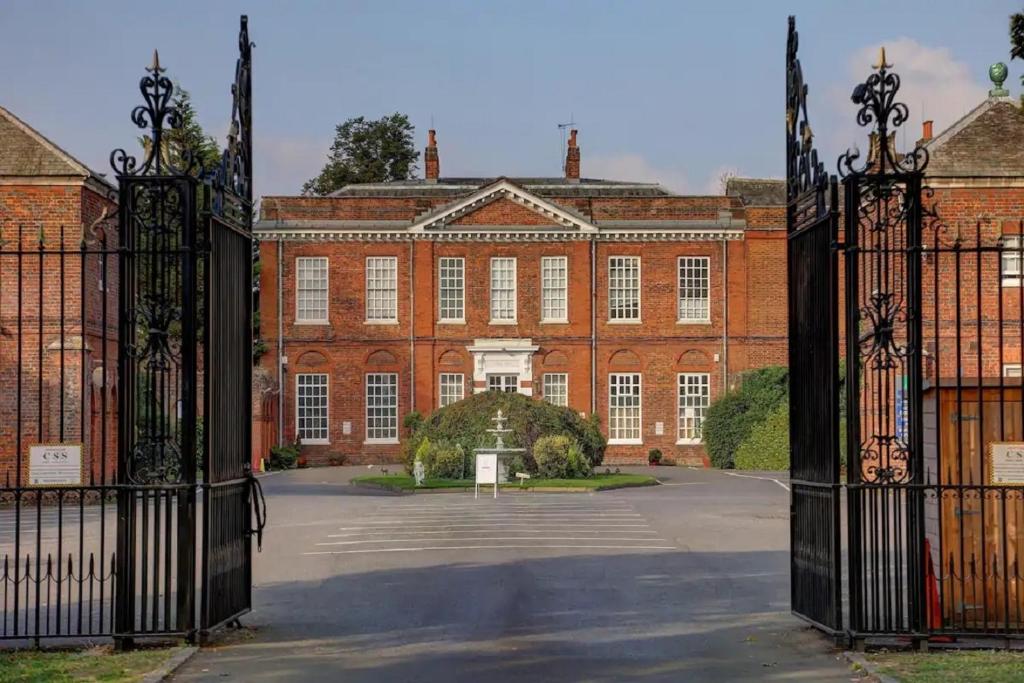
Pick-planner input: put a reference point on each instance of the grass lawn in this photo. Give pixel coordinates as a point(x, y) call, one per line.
point(962, 667)
point(597, 482)
point(94, 664)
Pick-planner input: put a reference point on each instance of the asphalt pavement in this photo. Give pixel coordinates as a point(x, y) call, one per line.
point(687, 581)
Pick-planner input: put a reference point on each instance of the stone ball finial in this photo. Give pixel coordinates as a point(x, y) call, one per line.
point(997, 74)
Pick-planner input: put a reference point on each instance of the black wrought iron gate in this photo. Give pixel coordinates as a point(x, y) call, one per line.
point(811, 215)
point(142, 540)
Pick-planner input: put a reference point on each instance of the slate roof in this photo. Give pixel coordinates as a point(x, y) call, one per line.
point(987, 142)
point(757, 191)
point(547, 187)
point(25, 152)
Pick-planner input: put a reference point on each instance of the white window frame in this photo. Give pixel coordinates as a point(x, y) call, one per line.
point(1011, 254)
point(449, 262)
point(451, 388)
point(689, 280)
point(300, 263)
point(514, 289)
point(614, 421)
point(690, 418)
point(1012, 370)
point(386, 313)
point(639, 287)
point(326, 439)
point(503, 385)
point(559, 380)
point(554, 297)
point(392, 437)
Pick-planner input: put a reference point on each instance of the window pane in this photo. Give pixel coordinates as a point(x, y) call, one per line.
point(311, 289)
point(1011, 256)
point(451, 286)
point(556, 388)
point(311, 407)
point(382, 406)
point(506, 383)
point(381, 288)
point(624, 288)
point(503, 289)
point(624, 406)
point(452, 388)
point(694, 397)
point(694, 284)
point(554, 281)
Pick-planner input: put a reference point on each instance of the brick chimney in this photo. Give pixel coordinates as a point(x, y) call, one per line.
point(572, 159)
point(431, 161)
point(926, 131)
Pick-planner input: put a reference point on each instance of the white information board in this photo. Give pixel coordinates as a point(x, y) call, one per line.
point(55, 465)
point(1006, 463)
point(486, 471)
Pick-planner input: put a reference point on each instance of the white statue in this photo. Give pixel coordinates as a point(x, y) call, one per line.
point(418, 472)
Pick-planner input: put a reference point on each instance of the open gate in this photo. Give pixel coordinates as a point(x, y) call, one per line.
point(166, 298)
point(811, 223)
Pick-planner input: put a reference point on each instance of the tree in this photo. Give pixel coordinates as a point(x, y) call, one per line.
point(190, 136)
point(367, 152)
point(1017, 36)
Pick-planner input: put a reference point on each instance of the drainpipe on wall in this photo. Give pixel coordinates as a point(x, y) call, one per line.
point(593, 326)
point(725, 315)
point(412, 331)
point(280, 343)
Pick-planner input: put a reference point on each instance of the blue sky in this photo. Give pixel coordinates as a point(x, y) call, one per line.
point(678, 92)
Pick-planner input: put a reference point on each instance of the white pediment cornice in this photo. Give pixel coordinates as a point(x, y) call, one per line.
point(501, 189)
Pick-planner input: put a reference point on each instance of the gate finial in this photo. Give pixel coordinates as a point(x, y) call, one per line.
point(882, 64)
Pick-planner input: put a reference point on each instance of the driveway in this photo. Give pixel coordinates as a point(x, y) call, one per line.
point(683, 582)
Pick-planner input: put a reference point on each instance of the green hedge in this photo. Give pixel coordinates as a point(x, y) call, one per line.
point(730, 419)
point(466, 422)
point(767, 445)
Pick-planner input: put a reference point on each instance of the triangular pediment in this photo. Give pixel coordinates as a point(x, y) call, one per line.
point(502, 204)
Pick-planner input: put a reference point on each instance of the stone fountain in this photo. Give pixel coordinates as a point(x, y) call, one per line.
point(496, 456)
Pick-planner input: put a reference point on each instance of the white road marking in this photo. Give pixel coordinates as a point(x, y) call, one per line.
point(498, 524)
point(683, 483)
point(750, 476)
point(507, 531)
point(491, 547)
point(491, 538)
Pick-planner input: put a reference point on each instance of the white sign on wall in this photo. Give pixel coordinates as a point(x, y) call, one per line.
point(486, 471)
point(1005, 463)
point(55, 465)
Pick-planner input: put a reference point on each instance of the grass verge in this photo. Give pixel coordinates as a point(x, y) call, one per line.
point(597, 482)
point(93, 664)
point(962, 667)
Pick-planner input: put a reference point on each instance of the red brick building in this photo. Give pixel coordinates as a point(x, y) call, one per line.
point(53, 214)
point(615, 298)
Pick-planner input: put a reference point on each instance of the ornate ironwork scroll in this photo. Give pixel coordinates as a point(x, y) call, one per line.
point(883, 240)
point(806, 180)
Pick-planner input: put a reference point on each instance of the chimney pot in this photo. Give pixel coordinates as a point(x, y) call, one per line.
point(431, 161)
point(572, 159)
point(926, 131)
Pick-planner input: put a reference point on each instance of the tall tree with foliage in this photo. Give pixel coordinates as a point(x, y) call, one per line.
point(190, 136)
point(1017, 36)
point(367, 152)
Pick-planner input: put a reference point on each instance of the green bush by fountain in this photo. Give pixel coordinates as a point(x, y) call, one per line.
point(436, 439)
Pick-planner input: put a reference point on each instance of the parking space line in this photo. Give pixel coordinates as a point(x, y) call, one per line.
point(490, 547)
point(489, 538)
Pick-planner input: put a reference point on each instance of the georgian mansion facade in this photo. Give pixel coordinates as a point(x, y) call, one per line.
point(610, 297)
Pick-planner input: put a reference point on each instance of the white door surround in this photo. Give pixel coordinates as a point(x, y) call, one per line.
point(503, 357)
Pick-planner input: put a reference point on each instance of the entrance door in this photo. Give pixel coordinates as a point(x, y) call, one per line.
point(507, 383)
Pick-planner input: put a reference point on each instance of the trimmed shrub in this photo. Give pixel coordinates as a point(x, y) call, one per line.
point(579, 466)
point(767, 446)
point(654, 456)
point(730, 419)
point(551, 454)
point(446, 463)
point(284, 457)
point(466, 423)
